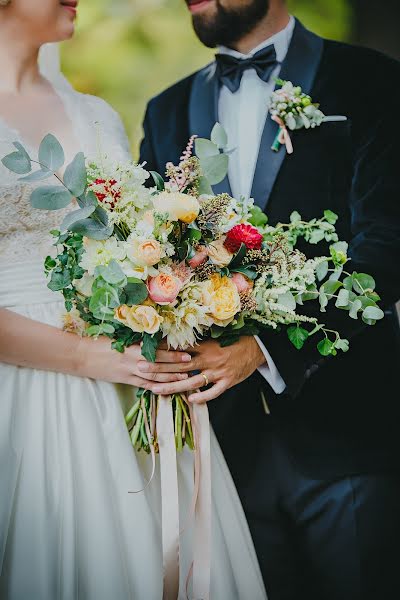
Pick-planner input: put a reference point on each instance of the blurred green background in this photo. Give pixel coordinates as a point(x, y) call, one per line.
point(128, 50)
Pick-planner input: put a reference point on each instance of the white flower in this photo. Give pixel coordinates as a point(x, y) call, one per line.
point(101, 253)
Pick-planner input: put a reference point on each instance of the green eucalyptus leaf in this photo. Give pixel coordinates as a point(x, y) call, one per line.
point(205, 148)
point(258, 217)
point(348, 283)
point(204, 187)
point(50, 197)
point(287, 300)
point(103, 301)
point(90, 199)
point(51, 153)
point(215, 168)
point(340, 247)
point(75, 176)
point(323, 301)
point(92, 229)
point(111, 273)
point(355, 307)
point(326, 347)
point(158, 180)
point(342, 344)
point(373, 313)
point(363, 282)
point(317, 236)
point(75, 216)
point(18, 162)
point(136, 292)
point(219, 136)
point(343, 299)
point(298, 336)
point(337, 273)
point(330, 216)
point(37, 175)
point(331, 287)
point(295, 217)
point(322, 270)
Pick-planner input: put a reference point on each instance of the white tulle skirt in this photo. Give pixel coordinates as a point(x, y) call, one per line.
point(69, 529)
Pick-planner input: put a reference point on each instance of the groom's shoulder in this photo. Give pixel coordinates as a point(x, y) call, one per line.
point(178, 93)
point(358, 62)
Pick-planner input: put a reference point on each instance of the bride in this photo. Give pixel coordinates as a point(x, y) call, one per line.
point(68, 527)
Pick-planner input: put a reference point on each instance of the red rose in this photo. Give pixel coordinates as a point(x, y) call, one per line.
point(243, 234)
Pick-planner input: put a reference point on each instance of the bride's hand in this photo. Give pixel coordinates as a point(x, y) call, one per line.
point(97, 360)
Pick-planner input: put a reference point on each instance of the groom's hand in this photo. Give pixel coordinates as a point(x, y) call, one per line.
point(221, 367)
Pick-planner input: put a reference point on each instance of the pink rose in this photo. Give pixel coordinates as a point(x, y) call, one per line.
point(164, 288)
point(243, 283)
point(199, 258)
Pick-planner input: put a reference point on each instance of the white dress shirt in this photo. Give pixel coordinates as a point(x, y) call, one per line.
point(243, 115)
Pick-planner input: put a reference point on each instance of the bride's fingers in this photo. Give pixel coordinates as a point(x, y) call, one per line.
point(172, 356)
point(178, 387)
point(164, 377)
point(147, 367)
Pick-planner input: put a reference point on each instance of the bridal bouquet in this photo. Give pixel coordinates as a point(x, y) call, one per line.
point(175, 263)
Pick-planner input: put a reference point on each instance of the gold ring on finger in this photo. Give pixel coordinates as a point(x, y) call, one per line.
point(206, 380)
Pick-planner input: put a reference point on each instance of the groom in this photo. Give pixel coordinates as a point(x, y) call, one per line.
point(313, 443)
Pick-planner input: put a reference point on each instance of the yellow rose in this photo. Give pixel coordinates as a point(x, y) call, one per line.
point(225, 300)
point(139, 318)
point(218, 254)
point(180, 207)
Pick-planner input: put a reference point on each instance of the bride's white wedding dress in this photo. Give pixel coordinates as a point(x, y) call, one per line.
point(69, 529)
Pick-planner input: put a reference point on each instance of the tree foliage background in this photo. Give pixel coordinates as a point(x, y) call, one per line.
point(128, 50)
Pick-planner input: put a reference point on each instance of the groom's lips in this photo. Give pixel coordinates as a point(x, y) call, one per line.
point(196, 6)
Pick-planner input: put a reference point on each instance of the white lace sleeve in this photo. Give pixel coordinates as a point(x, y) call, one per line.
point(111, 138)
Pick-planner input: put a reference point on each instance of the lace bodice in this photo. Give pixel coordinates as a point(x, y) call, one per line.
point(24, 231)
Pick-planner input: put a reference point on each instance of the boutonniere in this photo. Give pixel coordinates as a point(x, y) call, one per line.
point(291, 109)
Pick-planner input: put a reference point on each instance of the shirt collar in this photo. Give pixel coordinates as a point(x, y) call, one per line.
point(280, 40)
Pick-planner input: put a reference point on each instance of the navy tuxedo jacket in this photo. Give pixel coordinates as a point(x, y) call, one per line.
point(338, 416)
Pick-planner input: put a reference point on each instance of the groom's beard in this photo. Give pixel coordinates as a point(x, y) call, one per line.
point(229, 25)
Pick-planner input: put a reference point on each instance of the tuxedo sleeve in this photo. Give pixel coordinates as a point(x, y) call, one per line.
point(374, 203)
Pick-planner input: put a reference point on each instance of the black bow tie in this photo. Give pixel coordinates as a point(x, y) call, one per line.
point(230, 69)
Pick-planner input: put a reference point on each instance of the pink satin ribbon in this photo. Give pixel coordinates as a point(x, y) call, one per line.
point(201, 503)
point(169, 498)
point(283, 136)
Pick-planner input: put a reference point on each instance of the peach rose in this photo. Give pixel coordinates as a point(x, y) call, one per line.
point(243, 283)
point(219, 255)
point(164, 288)
point(149, 252)
point(180, 207)
point(139, 318)
point(199, 258)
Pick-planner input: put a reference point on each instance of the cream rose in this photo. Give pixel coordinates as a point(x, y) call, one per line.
point(225, 300)
point(144, 254)
point(180, 207)
point(139, 318)
point(164, 288)
point(218, 254)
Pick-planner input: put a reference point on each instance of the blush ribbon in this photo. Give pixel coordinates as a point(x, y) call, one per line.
point(283, 136)
point(201, 503)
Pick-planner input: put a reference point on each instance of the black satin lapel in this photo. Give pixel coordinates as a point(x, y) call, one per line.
point(203, 111)
point(300, 67)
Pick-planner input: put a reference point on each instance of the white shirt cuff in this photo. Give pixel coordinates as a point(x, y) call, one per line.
point(269, 371)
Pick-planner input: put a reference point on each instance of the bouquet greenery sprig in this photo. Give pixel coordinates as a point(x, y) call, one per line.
point(177, 263)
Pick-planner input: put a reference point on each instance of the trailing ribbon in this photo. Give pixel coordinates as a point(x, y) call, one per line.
point(201, 503)
point(169, 497)
point(283, 136)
